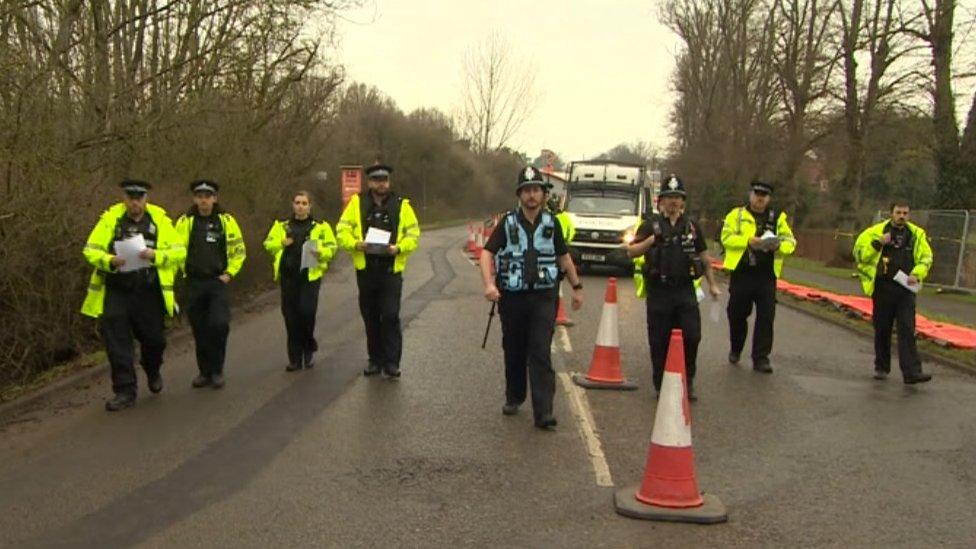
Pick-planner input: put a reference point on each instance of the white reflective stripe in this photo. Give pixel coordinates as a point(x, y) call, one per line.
point(671, 426)
point(608, 334)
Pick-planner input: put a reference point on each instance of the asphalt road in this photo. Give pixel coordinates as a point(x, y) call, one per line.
point(816, 454)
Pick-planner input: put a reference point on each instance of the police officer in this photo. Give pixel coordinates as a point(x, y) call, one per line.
point(675, 255)
point(131, 294)
point(520, 268)
point(755, 265)
point(380, 265)
point(215, 254)
point(302, 249)
point(883, 251)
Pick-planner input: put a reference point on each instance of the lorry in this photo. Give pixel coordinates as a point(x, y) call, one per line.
point(606, 200)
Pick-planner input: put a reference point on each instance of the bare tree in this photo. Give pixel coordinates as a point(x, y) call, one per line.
point(805, 57)
point(498, 95)
point(871, 29)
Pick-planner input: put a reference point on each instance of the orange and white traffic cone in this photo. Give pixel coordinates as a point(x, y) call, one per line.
point(669, 491)
point(470, 245)
point(479, 240)
point(562, 319)
point(605, 372)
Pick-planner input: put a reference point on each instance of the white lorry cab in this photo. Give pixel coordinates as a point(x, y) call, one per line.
point(606, 201)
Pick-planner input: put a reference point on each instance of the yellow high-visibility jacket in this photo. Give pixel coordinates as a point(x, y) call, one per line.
point(321, 232)
point(350, 231)
point(867, 257)
point(569, 231)
point(740, 226)
point(170, 254)
point(236, 252)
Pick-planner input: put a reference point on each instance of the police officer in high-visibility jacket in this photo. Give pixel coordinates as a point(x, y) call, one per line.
point(675, 255)
point(132, 293)
point(893, 257)
point(215, 253)
point(520, 269)
point(756, 238)
point(301, 248)
point(380, 263)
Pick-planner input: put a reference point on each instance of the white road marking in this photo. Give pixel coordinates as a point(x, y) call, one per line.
point(567, 345)
point(587, 429)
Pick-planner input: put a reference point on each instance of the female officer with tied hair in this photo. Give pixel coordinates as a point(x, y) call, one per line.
point(520, 268)
point(302, 249)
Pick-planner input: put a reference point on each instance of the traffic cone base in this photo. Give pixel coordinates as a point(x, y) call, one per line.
point(712, 510)
point(587, 383)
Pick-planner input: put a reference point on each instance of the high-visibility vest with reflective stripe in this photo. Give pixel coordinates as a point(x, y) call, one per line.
point(321, 233)
point(236, 252)
point(349, 231)
point(740, 226)
point(170, 254)
point(867, 257)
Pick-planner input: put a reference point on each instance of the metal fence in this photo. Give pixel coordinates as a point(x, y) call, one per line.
point(952, 234)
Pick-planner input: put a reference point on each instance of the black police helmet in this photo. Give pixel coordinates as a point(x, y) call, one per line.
point(673, 186)
point(530, 176)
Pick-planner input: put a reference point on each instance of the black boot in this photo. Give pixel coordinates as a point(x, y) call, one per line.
point(200, 381)
point(120, 401)
point(392, 370)
point(372, 369)
point(155, 382)
point(217, 381)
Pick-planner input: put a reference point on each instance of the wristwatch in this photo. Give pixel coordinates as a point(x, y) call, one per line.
point(578, 286)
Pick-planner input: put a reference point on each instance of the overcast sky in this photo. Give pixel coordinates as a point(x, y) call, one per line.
point(602, 65)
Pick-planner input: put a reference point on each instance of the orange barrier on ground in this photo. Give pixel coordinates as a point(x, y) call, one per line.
point(941, 333)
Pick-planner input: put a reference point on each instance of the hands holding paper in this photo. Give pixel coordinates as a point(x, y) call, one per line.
point(768, 242)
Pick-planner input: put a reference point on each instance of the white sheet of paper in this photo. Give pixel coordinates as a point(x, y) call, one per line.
point(378, 236)
point(128, 250)
point(768, 240)
point(310, 257)
point(902, 278)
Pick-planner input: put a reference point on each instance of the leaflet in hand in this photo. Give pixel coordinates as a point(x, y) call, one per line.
point(129, 250)
point(310, 254)
point(377, 241)
point(902, 278)
point(768, 241)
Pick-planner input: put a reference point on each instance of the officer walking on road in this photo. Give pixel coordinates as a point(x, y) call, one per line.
point(131, 294)
point(380, 230)
point(756, 238)
point(520, 269)
point(675, 255)
point(302, 249)
point(886, 253)
point(215, 254)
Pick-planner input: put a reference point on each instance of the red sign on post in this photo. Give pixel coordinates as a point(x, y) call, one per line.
point(351, 181)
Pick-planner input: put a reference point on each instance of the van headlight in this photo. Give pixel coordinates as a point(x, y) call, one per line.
point(628, 236)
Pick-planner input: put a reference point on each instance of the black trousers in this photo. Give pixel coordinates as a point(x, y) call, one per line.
point(669, 308)
point(894, 305)
point(208, 306)
point(379, 304)
point(746, 290)
point(129, 313)
point(299, 305)
point(528, 320)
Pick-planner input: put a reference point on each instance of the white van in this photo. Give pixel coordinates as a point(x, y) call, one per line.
point(606, 200)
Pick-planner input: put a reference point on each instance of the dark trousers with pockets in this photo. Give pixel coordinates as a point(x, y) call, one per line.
point(208, 306)
point(746, 290)
point(894, 306)
point(669, 308)
point(129, 313)
point(528, 320)
point(379, 304)
point(299, 305)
